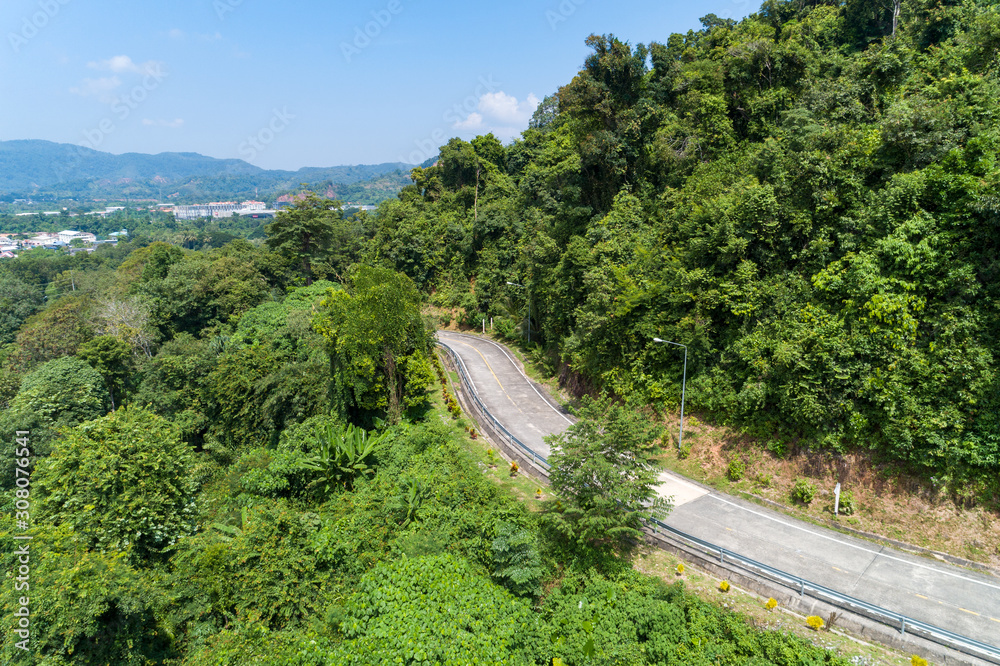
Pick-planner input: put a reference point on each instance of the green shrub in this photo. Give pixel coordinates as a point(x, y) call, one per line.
point(847, 503)
point(87, 606)
point(737, 468)
point(506, 328)
point(436, 610)
point(122, 481)
point(255, 644)
point(777, 448)
point(267, 473)
point(803, 491)
point(628, 620)
point(516, 562)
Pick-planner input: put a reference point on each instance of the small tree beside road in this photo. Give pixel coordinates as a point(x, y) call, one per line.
point(599, 468)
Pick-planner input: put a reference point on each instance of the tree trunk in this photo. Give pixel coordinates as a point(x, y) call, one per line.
point(394, 410)
point(475, 203)
point(306, 247)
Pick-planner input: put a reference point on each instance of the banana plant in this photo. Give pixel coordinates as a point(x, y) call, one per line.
point(409, 502)
point(228, 531)
point(341, 455)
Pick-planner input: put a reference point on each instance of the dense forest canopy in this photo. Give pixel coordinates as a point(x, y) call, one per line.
point(807, 198)
point(235, 459)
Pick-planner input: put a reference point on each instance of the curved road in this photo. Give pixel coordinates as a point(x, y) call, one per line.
point(962, 601)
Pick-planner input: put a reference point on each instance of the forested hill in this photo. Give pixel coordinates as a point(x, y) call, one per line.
point(809, 199)
point(46, 170)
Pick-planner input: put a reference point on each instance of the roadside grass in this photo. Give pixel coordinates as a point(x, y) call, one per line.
point(662, 564)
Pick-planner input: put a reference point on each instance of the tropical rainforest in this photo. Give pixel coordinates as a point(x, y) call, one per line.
point(220, 456)
point(808, 199)
point(235, 453)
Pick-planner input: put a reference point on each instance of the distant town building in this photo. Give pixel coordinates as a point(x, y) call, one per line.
point(40, 240)
point(68, 235)
point(109, 210)
point(218, 209)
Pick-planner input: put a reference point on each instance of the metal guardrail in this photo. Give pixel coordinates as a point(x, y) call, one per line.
point(805, 587)
point(485, 413)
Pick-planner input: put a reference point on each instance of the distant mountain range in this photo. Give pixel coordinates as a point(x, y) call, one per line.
point(43, 170)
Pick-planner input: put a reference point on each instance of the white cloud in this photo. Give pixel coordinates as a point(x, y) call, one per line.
point(176, 33)
point(122, 64)
point(100, 88)
point(176, 123)
point(473, 122)
point(501, 114)
point(505, 109)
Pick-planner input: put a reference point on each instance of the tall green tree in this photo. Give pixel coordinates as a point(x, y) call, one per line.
point(18, 301)
point(112, 358)
point(378, 346)
point(59, 394)
point(305, 232)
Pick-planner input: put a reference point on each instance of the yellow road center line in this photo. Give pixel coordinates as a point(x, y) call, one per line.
point(921, 596)
point(968, 611)
point(994, 619)
point(490, 368)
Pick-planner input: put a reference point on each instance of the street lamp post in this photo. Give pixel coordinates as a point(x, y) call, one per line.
point(680, 439)
point(514, 284)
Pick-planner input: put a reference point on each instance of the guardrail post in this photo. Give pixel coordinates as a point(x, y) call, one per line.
point(902, 625)
point(722, 556)
point(802, 587)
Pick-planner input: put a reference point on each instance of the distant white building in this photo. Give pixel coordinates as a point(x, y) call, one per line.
point(40, 240)
point(69, 235)
point(218, 209)
point(109, 210)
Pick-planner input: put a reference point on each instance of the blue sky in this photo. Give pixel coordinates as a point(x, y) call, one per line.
point(302, 82)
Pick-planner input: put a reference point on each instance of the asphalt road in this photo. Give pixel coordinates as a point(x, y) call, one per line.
point(518, 403)
point(950, 597)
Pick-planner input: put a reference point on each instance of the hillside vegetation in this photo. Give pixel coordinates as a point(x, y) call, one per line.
point(233, 460)
point(809, 199)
